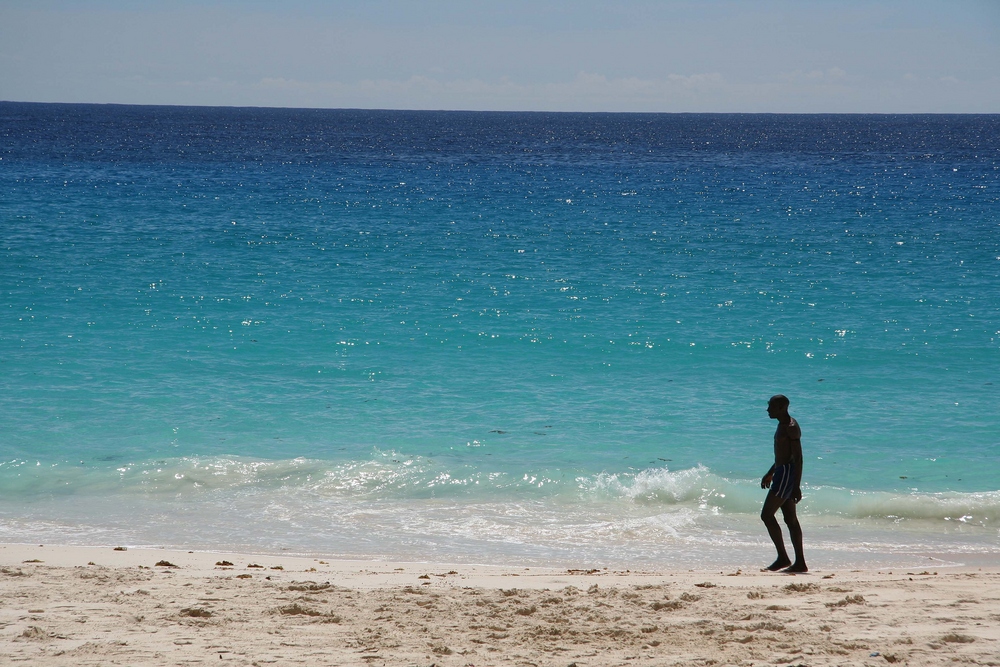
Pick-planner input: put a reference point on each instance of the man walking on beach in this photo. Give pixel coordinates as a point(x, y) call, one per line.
point(784, 480)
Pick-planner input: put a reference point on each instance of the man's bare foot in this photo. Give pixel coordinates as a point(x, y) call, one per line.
point(779, 564)
point(796, 567)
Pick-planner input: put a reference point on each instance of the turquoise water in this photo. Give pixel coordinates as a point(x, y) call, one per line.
point(544, 338)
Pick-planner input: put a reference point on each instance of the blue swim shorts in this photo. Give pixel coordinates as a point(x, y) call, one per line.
point(783, 482)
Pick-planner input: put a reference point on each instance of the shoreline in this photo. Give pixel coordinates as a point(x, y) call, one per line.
point(96, 605)
point(196, 559)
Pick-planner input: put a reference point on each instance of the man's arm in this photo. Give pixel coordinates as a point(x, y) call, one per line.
point(797, 461)
point(765, 482)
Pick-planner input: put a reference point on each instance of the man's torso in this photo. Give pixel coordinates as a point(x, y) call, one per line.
point(785, 437)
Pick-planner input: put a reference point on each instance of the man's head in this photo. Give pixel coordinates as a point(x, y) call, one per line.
point(777, 406)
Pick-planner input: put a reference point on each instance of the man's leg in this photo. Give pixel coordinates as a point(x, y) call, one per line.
point(795, 533)
point(771, 505)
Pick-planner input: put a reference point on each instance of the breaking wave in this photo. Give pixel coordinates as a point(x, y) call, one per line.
point(389, 477)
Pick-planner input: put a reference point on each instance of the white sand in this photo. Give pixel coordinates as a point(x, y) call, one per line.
point(97, 606)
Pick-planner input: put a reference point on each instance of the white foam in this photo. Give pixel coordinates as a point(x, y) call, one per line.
point(415, 508)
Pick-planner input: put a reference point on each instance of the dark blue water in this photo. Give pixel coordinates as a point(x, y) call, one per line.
point(495, 335)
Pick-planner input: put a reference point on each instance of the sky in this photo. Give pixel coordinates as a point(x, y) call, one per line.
point(786, 56)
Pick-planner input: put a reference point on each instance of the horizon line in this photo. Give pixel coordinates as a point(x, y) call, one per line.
point(516, 111)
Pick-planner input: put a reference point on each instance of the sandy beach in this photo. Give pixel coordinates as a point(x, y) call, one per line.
point(101, 606)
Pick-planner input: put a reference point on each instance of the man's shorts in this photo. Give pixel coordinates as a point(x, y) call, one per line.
point(783, 482)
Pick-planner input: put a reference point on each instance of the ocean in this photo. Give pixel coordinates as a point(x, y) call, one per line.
point(520, 338)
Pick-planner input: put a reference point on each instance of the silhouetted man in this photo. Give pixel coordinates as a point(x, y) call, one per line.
point(784, 480)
